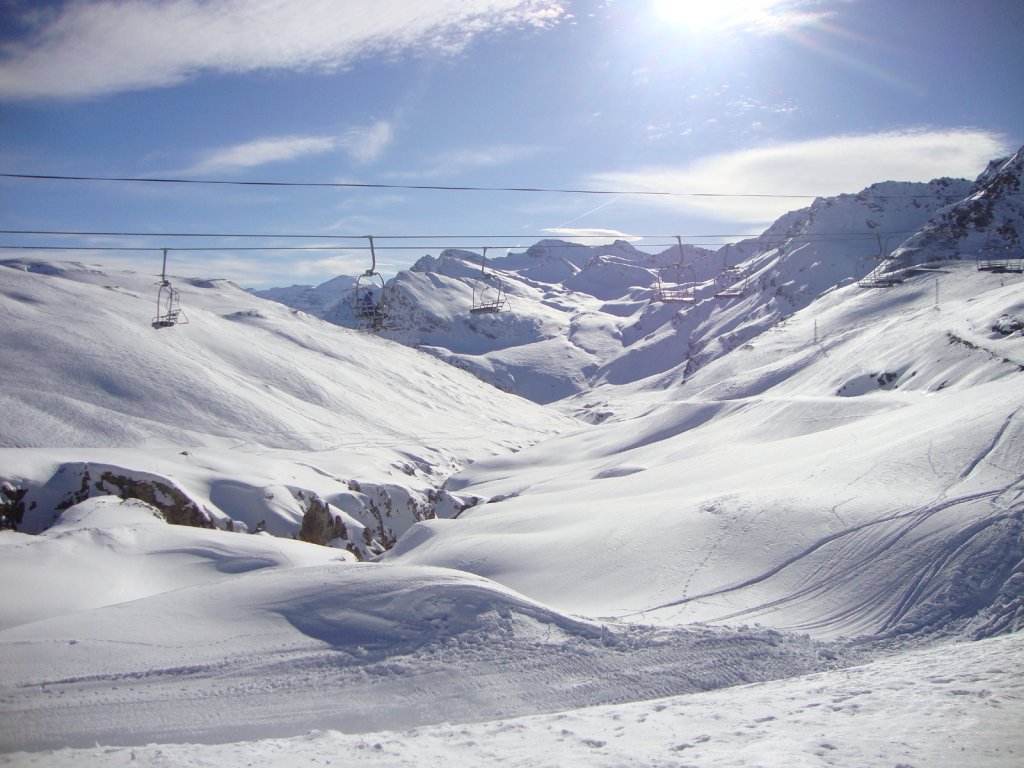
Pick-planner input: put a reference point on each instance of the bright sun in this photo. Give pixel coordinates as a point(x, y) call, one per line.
point(715, 15)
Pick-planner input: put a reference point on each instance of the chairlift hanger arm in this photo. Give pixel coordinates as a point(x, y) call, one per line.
point(373, 256)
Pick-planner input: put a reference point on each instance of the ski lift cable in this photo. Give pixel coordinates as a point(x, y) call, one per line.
point(268, 248)
point(440, 187)
point(373, 246)
point(295, 235)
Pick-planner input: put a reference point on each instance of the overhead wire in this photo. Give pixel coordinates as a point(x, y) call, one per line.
point(367, 185)
point(708, 238)
point(767, 243)
point(444, 187)
point(527, 236)
point(276, 248)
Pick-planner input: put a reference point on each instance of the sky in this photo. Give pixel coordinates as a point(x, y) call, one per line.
point(638, 120)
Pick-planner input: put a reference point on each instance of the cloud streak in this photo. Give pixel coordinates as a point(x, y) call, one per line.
point(819, 167)
point(589, 236)
point(363, 144)
point(454, 162)
point(761, 17)
point(91, 49)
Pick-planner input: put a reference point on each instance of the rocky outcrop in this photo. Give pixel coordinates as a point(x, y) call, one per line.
point(12, 506)
point(175, 506)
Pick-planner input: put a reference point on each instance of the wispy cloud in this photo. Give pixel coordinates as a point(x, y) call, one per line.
point(820, 167)
point(453, 162)
point(89, 49)
point(367, 143)
point(363, 144)
point(761, 17)
point(261, 152)
point(589, 236)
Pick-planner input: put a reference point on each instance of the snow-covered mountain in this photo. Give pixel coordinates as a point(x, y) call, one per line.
point(578, 317)
point(989, 218)
point(250, 416)
point(326, 300)
point(784, 526)
point(856, 470)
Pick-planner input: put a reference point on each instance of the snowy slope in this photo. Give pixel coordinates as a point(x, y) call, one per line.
point(566, 307)
point(249, 415)
point(325, 300)
point(869, 481)
point(272, 650)
point(106, 551)
point(993, 216)
point(951, 705)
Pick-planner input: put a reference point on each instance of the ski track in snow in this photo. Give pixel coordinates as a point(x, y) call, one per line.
point(958, 704)
point(507, 663)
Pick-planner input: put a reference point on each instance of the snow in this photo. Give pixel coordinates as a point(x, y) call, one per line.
point(950, 705)
point(249, 411)
point(782, 529)
point(267, 650)
point(762, 487)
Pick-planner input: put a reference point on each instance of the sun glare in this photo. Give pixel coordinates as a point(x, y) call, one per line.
point(709, 16)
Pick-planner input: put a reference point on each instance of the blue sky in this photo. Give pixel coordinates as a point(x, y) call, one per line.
point(736, 97)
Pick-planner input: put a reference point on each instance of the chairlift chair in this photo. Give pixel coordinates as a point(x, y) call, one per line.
point(672, 286)
point(488, 291)
point(874, 271)
point(168, 310)
point(1000, 258)
point(731, 282)
point(368, 300)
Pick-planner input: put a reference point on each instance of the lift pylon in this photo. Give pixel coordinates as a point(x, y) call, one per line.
point(1000, 257)
point(875, 270)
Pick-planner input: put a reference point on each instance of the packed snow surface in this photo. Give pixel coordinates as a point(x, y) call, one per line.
point(950, 705)
point(263, 649)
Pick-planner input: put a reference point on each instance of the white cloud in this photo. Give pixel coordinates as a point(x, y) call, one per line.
point(456, 161)
point(590, 236)
point(363, 144)
point(260, 152)
point(819, 167)
point(106, 46)
point(367, 143)
point(754, 16)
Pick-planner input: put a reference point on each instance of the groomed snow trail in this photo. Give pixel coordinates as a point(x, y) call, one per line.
point(352, 648)
point(958, 704)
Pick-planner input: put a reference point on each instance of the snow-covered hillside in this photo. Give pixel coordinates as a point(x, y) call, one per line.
point(778, 528)
point(250, 416)
point(326, 300)
point(855, 470)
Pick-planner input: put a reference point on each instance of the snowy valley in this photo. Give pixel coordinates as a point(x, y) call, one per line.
point(762, 505)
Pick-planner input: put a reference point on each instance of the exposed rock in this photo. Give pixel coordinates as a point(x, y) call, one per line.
point(174, 505)
point(12, 506)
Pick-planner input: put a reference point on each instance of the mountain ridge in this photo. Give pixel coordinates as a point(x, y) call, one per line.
point(595, 308)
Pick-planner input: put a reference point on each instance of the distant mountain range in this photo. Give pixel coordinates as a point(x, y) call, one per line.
point(577, 316)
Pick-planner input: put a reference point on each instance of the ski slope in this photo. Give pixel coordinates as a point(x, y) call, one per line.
point(284, 637)
point(867, 482)
point(248, 415)
point(949, 705)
